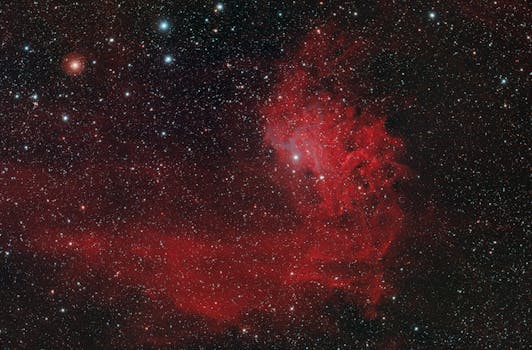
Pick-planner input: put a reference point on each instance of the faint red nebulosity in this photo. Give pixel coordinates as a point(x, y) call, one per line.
point(73, 64)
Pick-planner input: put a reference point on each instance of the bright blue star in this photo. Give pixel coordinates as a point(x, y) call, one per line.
point(168, 59)
point(164, 25)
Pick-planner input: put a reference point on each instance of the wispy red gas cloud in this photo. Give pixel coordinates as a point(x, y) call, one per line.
point(339, 169)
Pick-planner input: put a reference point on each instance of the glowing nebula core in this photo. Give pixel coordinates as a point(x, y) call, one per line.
point(340, 167)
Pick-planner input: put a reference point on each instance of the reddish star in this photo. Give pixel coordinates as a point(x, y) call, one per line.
point(73, 64)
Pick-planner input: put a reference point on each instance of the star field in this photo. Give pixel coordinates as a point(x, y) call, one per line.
point(264, 175)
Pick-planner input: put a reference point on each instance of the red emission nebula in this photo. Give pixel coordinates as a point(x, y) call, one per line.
point(338, 168)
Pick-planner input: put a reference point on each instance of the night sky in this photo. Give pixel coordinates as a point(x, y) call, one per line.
point(265, 174)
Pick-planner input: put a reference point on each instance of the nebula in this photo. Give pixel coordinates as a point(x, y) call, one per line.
point(341, 169)
point(264, 175)
point(337, 166)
